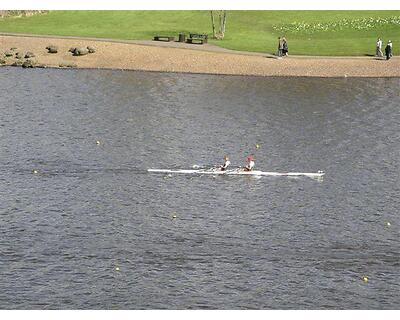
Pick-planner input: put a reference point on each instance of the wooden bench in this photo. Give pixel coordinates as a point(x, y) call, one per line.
point(196, 38)
point(195, 41)
point(164, 38)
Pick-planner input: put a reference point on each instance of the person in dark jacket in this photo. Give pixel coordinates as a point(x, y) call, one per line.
point(280, 46)
point(388, 50)
point(285, 49)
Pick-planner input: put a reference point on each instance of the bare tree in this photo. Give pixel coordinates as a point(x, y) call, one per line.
point(213, 24)
point(221, 17)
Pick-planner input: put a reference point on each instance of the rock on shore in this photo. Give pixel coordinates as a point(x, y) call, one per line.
point(52, 49)
point(82, 50)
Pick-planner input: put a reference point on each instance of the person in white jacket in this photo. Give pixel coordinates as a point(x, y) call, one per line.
point(379, 52)
point(250, 164)
point(226, 163)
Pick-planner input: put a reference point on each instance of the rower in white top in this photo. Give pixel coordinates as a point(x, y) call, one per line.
point(250, 164)
point(226, 163)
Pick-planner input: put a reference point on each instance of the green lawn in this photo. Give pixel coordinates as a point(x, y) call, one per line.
point(245, 30)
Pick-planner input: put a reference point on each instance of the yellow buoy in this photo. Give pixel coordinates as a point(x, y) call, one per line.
point(365, 279)
point(35, 171)
point(97, 142)
point(257, 146)
point(388, 224)
point(117, 268)
point(174, 216)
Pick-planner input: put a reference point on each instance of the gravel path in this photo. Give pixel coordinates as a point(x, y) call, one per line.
point(179, 57)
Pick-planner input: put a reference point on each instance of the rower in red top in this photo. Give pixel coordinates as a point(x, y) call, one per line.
point(250, 164)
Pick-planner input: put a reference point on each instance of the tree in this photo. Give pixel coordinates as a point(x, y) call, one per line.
point(220, 15)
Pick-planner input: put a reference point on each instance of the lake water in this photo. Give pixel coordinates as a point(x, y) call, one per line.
point(93, 230)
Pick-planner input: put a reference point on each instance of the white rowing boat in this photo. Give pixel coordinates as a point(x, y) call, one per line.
point(239, 171)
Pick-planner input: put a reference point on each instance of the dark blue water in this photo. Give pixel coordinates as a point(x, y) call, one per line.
point(93, 230)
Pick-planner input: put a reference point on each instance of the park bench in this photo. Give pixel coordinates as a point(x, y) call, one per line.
point(196, 38)
point(164, 38)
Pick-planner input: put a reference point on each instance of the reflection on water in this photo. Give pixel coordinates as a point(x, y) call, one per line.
point(184, 241)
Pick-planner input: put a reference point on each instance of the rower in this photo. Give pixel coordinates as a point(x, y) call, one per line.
point(250, 164)
point(226, 163)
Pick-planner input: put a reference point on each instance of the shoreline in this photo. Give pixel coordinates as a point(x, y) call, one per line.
point(176, 57)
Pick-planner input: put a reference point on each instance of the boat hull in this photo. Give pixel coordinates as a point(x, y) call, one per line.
point(238, 172)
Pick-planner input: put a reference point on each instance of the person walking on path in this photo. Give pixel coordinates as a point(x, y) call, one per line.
point(285, 48)
point(280, 46)
point(388, 50)
point(378, 52)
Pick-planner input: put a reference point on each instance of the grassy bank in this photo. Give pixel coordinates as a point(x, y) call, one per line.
point(332, 33)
